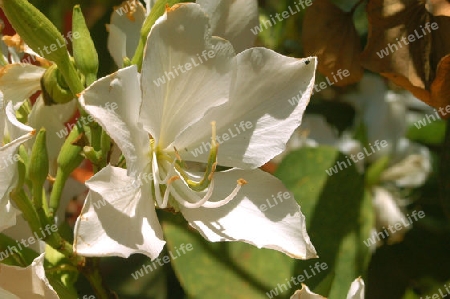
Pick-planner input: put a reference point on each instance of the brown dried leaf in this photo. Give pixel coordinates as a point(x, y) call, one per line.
point(406, 43)
point(334, 41)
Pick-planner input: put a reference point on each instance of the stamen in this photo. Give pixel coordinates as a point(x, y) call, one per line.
point(218, 204)
point(197, 204)
point(210, 168)
point(167, 192)
point(156, 179)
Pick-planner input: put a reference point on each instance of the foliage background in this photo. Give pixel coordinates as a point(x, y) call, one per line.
point(338, 208)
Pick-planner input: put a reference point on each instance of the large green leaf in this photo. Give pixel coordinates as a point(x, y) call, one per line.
point(338, 213)
point(223, 270)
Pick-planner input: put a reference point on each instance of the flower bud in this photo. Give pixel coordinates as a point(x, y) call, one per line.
point(35, 29)
point(54, 88)
point(84, 52)
point(38, 164)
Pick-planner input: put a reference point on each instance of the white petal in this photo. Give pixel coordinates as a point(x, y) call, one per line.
point(233, 20)
point(124, 30)
point(305, 293)
point(388, 213)
point(8, 166)
point(181, 40)
point(412, 165)
point(121, 91)
point(280, 226)
point(118, 218)
point(53, 119)
point(356, 289)
point(260, 98)
point(17, 130)
point(7, 295)
point(29, 282)
point(20, 81)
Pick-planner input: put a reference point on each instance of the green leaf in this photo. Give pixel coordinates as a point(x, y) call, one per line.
point(224, 270)
point(14, 253)
point(338, 213)
point(433, 133)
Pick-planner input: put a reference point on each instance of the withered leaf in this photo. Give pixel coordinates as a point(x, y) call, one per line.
point(406, 44)
point(330, 34)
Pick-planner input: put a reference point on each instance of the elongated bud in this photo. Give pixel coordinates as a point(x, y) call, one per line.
point(69, 158)
point(38, 163)
point(84, 52)
point(41, 35)
point(35, 29)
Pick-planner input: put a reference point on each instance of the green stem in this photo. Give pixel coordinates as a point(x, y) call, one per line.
point(92, 273)
point(58, 186)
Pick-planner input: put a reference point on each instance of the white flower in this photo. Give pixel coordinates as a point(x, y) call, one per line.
point(230, 20)
point(12, 135)
point(29, 282)
point(19, 81)
point(356, 291)
point(315, 131)
point(246, 93)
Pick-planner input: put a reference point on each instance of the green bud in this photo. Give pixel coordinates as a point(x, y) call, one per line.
point(35, 29)
point(38, 163)
point(157, 10)
point(70, 157)
point(54, 87)
point(84, 52)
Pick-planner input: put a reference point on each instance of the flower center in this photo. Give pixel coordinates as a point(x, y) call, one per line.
point(174, 185)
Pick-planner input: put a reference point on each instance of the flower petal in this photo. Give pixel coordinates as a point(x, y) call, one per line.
point(20, 81)
point(356, 289)
point(388, 213)
point(124, 30)
point(8, 164)
point(263, 118)
point(305, 293)
point(180, 81)
point(29, 282)
point(121, 91)
point(118, 218)
point(254, 216)
point(233, 20)
point(53, 119)
point(411, 165)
